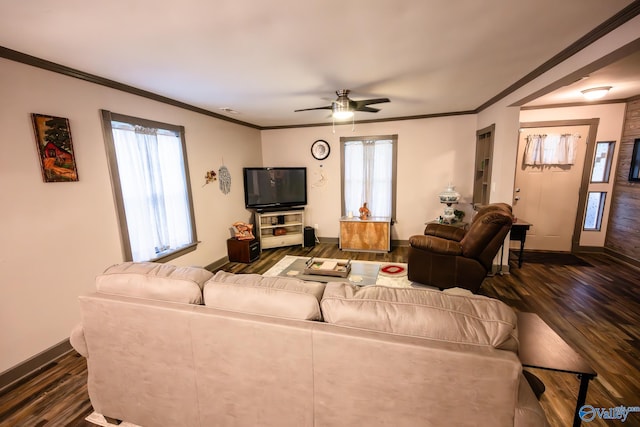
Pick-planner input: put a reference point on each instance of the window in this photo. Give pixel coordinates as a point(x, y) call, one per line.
point(369, 174)
point(148, 166)
point(602, 161)
point(551, 149)
point(595, 208)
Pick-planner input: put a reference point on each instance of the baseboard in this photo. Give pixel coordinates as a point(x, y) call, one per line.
point(329, 240)
point(622, 257)
point(217, 264)
point(589, 250)
point(33, 365)
point(398, 243)
point(497, 269)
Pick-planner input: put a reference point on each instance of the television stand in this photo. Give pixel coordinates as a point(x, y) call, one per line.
point(276, 228)
point(279, 209)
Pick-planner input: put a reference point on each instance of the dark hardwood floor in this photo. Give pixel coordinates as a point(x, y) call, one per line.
point(596, 309)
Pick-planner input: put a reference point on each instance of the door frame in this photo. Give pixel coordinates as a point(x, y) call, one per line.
point(586, 169)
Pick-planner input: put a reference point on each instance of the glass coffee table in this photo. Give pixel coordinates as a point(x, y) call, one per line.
point(362, 274)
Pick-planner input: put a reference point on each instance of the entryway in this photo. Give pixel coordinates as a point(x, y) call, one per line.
point(547, 192)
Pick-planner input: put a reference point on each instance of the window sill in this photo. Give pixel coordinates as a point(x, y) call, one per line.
point(176, 253)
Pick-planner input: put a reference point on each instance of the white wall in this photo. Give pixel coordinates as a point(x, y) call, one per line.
point(609, 129)
point(505, 150)
point(431, 153)
point(56, 237)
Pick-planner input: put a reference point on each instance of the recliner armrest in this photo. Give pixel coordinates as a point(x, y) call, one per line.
point(444, 231)
point(436, 244)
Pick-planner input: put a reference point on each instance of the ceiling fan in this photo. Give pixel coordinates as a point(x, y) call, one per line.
point(344, 107)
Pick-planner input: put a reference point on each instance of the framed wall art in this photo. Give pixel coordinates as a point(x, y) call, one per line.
point(53, 139)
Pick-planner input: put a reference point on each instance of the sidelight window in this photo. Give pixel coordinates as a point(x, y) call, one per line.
point(595, 209)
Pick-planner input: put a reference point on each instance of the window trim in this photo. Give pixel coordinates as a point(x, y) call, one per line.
point(394, 171)
point(609, 162)
point(107, 118)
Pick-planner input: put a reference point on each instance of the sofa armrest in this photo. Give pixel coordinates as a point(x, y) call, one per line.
point(436, 244)
point(78, 341)
point(528, 413)
point(444, 231)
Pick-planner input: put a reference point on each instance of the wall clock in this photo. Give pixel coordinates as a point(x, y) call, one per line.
point(320, 149)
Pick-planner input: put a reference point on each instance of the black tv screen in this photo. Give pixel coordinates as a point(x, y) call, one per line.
point(266, 188)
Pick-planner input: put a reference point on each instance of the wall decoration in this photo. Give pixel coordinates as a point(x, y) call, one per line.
point(209, 177)
point(53, 138)
point(225, 179)
point(320, 149)
point(320, 177)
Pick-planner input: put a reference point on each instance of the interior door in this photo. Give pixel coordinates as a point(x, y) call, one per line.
point(547, 196)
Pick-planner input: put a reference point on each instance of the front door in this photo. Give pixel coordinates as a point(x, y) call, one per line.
point(547, 195)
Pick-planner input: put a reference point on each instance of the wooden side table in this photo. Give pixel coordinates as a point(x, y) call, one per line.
point(542, 348)
point(367, 235)
point(243, 250)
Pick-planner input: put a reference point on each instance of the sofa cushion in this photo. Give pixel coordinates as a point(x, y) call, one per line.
point(153, 280)
point(422, 313)
point(273, 296)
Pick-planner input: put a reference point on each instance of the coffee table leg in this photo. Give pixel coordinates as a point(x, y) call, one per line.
point(582, 397)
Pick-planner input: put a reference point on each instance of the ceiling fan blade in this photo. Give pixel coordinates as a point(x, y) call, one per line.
point(371, 101)
point(368, 109)
point(328, 107)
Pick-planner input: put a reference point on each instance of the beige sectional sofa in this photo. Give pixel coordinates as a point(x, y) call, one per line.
point(176, 346)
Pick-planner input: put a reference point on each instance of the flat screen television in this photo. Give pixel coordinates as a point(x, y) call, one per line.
point(274, 188)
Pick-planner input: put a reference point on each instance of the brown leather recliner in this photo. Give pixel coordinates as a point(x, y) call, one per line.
point(448, 257)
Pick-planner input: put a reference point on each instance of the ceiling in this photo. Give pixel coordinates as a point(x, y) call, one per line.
point(264, 59)
point(623, 76)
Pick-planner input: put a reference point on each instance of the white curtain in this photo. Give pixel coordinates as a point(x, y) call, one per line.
point(153, 184)
point(368, 176)
point(551, 149)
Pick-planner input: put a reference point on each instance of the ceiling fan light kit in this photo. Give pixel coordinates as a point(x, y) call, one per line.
point(340, 113)
point(344, 107)
point(596, 92)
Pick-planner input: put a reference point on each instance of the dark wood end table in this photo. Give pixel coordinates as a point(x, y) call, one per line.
point(245, 251)
point(542, 348)
point(519, 233)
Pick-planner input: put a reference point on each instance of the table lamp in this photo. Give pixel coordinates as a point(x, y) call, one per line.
point(449, 197)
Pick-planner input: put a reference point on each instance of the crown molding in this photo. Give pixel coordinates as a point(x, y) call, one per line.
point(23, 58)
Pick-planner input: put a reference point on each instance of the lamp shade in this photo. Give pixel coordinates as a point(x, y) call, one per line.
point(341, 109)
point(596, 92)
point(449, 195)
